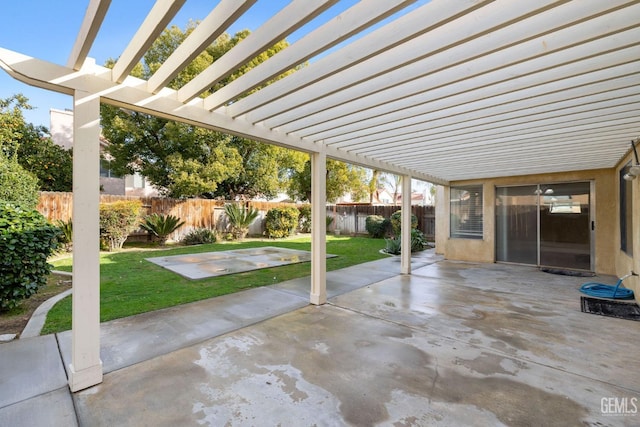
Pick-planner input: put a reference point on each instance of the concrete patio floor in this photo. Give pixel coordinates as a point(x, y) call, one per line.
point(454, 344)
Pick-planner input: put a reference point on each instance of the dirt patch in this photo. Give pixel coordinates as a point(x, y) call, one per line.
point(14, 321)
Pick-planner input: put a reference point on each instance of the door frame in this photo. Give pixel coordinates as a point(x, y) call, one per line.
point(591, 225)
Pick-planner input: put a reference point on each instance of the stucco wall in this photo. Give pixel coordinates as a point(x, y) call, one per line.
point(442, 218)
point(623, 262)
point(605, 202)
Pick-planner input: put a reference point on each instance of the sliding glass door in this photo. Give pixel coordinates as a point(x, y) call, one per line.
point(517, 224)
point(565, 231)
point(545, 224)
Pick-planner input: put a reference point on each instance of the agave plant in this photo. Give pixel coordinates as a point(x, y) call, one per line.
point(66, 236)
point(240, 219)
point(161, 226)
point(393, 246)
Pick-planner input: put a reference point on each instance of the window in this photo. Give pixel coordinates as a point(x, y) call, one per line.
point(105, 169)
point(466, 212)
point(626, 207)
point(134, 181)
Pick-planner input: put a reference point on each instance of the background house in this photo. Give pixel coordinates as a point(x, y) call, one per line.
point(61, 129)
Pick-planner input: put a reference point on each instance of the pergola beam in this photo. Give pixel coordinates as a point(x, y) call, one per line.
point(482, 77)
point(368, 72)
point(338, 29)
point(292, 17)
point(527, 87)
point(226, 12)
point(94, 15)
point(156, 21)
point(447, 72)
point(486, 109)
point(404, 28)
point(133, 94)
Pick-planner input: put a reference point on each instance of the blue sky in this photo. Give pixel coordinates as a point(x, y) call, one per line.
point(47, 29)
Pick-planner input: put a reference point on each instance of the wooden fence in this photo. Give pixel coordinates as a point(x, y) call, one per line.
point(206, 213)
point(196, 213)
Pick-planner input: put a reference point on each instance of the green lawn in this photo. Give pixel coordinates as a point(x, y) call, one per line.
point(131, 285)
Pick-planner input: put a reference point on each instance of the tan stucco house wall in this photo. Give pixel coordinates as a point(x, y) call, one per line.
point(608, 257)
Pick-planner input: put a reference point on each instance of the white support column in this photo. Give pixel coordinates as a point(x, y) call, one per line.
point(86, 366)
point(405, 256)
point(318, 228)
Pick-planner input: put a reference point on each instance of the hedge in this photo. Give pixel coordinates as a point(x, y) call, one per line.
point(26, 241)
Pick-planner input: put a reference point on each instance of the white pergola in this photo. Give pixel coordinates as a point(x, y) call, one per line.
point(447, 91)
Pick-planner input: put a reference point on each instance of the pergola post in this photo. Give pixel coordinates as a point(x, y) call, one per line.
point(405, 255)
point(85, 369)
point(318, 228)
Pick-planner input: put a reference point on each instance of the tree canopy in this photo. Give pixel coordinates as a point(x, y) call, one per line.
point(187, 161)
point(17, 185)
point(32, 147)
point(342, 178)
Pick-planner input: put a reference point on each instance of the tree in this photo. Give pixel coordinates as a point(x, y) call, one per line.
point(12, 123)
point(50, 163)
point(184, 160)
point(394, 181)
point(17, 186)
point(373, 184)
point(32, 147)
point(342, 178)
point(264, 171)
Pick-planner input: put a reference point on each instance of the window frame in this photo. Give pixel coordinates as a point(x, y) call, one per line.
point(626, 212)
point(473, 208)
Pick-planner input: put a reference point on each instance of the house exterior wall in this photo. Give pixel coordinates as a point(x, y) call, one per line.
point(605, 202)
point(61, 127)
point(623, 262)
point(114, 186)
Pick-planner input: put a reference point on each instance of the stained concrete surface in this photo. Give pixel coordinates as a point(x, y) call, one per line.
point(212, 264)
point(454, 344)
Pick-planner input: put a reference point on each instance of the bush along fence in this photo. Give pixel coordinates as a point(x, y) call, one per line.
point(351, 219)
point(198, 214)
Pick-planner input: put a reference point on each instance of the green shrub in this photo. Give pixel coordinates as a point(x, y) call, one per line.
point(281, 222)
point(240, 219)
point(396, 219)
point(17, 186)
point(304, 218)
point(161, 226)
point(66, 236)
point(117, 221)
point(26, 241)
point(418, 241)
point(376, 226)
point(199, 236)
point(393, 246)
